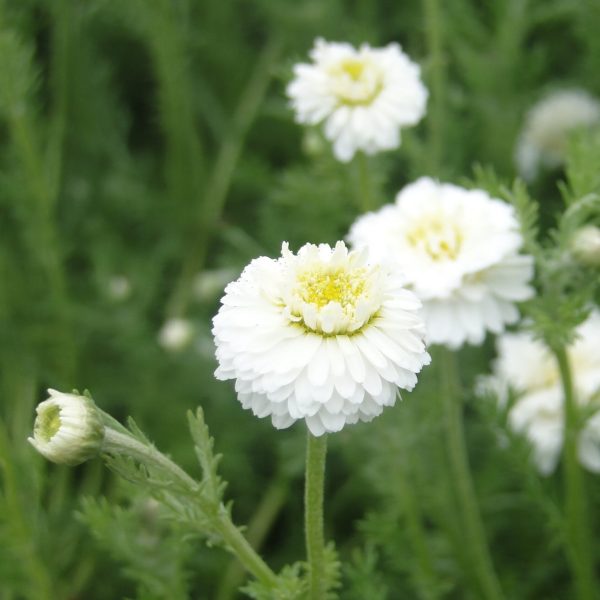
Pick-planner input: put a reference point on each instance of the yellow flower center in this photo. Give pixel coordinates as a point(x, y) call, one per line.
point(440, 240)
point(48, 423)
point(355, 81)
point(320, 287)
point(353, 67)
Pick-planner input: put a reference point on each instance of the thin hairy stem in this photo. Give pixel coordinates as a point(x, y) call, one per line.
point(316, 450)
point(437, 76)
point(464, 490)
point(117, 442)
point(577, 526)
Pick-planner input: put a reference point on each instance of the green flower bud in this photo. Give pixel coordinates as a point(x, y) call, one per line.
point(585, 245)
point(68, 429)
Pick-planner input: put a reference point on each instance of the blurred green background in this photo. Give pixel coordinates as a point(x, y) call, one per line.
point(147, 147)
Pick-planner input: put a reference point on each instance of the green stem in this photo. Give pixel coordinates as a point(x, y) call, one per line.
point(365, 183)
point(435, 118)
point(222, 177)
point(475, 539)
point(22, 533)
point(116, 442)
point(258, 528)
point(425, 577)
point(316, 450)
point(580, 555)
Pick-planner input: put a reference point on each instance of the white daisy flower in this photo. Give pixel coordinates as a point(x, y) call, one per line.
point(363, 96)
point(322, 336)
point(458, 249)
point(525, 365)
point(68, 429)
point(543, 141)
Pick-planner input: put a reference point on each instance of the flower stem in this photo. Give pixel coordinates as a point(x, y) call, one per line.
point(316, 450)
point(426, 580)
point(434, 35)
point(258, 528)
point(475, 539)
point(365, 183)
point(578, 539)
point(222, 173)
point(116, 442)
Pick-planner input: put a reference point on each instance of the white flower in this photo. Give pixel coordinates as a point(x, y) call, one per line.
point(543, 141)
point(458, 249)
point(68, 429)
point(175, 334)
point(322, 336)
point(363, 96)
point(525, 365)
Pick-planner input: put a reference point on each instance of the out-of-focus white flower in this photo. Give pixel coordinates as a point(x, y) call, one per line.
point(543, 141)
point(363, 96)
point(458, 249)
point(323, 336)
point(176, 334)
point(526, 366)
point(119, 287)
point(585, 245)
point(210, 284)
point(68, 429)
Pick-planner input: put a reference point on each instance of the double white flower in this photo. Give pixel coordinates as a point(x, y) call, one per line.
point(459, 250)
point(543, 141)
point(323, 336)
point(527, 367)
point(362, 96)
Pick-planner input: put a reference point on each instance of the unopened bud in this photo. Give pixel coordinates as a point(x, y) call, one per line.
point(176, 334)
point(585, 245)
point(68, 429)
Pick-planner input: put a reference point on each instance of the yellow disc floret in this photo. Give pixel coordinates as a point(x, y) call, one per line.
point(356, 81)
point(331, 291)
point(320, 287)
point(440, 239)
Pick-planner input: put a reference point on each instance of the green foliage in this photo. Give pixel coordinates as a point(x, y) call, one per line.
point(154, 555)
point(149, 141)
point(290, 586)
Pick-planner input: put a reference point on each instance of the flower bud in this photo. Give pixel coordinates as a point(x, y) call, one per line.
point(68, 429)
point(585, 245)
point(176, 334)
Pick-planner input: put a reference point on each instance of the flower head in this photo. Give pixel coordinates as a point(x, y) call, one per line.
point(322, 335)
point(458, 249)
point(363, 96)
point(68, 429)
point(543, 141)
point(526, 366)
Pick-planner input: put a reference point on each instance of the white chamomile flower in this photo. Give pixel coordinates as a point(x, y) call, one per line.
point(526, 366)
point(322, 335)
point(458, 249)
point(363, 96)
point(543, 140)
point(176, 334)
point(68, 429)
